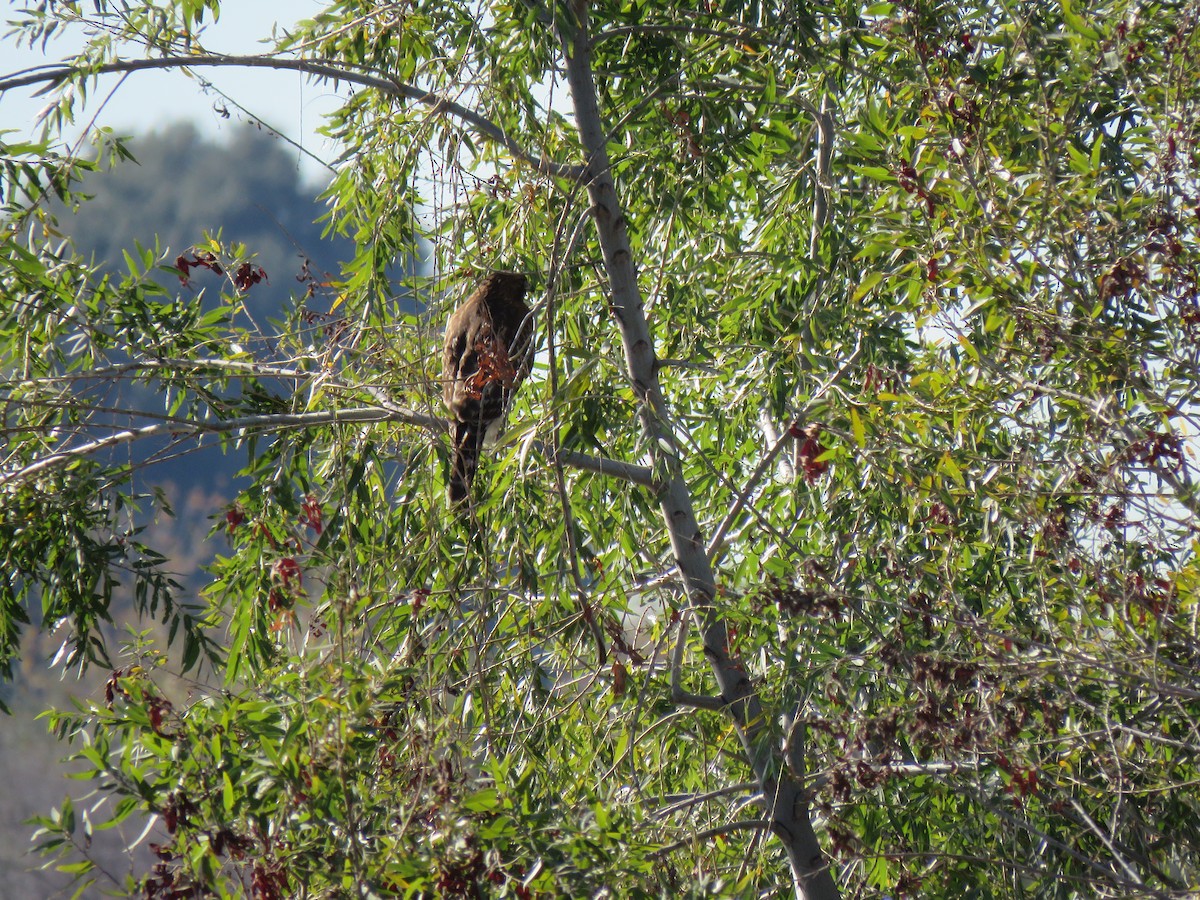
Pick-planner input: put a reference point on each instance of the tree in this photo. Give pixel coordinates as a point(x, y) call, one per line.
point(860, 428)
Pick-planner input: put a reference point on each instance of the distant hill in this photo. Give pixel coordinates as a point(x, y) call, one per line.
point(183, 185)
point(180, 187)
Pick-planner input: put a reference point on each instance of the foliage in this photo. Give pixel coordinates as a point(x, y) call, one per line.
point(932, 400)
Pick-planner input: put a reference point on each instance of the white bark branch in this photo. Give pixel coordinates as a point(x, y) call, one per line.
point(729, 828)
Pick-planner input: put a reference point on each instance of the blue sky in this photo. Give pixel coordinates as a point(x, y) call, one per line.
point(147, 101)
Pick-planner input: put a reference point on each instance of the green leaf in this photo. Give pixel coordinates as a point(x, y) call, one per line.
point(860, 434)
point(949, 467)
point(1078, 23)
point(481, 801)
point(867, 284)
point(228, 797)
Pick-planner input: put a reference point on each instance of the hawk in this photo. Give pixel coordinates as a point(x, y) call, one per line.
point(488, 352)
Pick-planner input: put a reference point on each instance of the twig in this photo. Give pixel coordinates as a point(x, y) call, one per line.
point(677, 803)
point(590, 615)
point(1096, 830)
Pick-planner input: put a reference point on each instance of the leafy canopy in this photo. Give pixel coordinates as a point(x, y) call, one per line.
point(921, 282)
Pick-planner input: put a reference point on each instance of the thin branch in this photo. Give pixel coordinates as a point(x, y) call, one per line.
point(910, 769)
point(1080, 858)
point(676, 803)
point(1096, 830)
point(728, 828)
point(771, 435)
point(562, 252)
point(678, 694)
point(823, 184)
point(601, 465)
point(387, 412)
point(718, 538)
point(175, 365)
point(278, 421)
point(438, 105)
point(1180, 482)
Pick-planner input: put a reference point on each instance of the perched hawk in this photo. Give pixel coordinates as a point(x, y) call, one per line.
point(488, 352)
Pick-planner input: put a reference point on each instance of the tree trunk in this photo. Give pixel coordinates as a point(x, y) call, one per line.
point(783, 795)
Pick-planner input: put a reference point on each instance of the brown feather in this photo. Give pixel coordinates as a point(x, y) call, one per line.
point(488, 352)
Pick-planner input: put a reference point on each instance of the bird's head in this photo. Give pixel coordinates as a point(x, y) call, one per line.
point(510, 281)
point(504, 290)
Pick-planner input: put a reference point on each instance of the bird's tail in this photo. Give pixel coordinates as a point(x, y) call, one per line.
point(468, 440)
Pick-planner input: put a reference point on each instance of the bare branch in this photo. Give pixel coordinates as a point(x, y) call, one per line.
point(601, 465)
point(1082, 859)
point(1096, 830)
point(438, 105)
point(911, 769)
point(676, 803)
point(290, 421)
point(273, 422)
